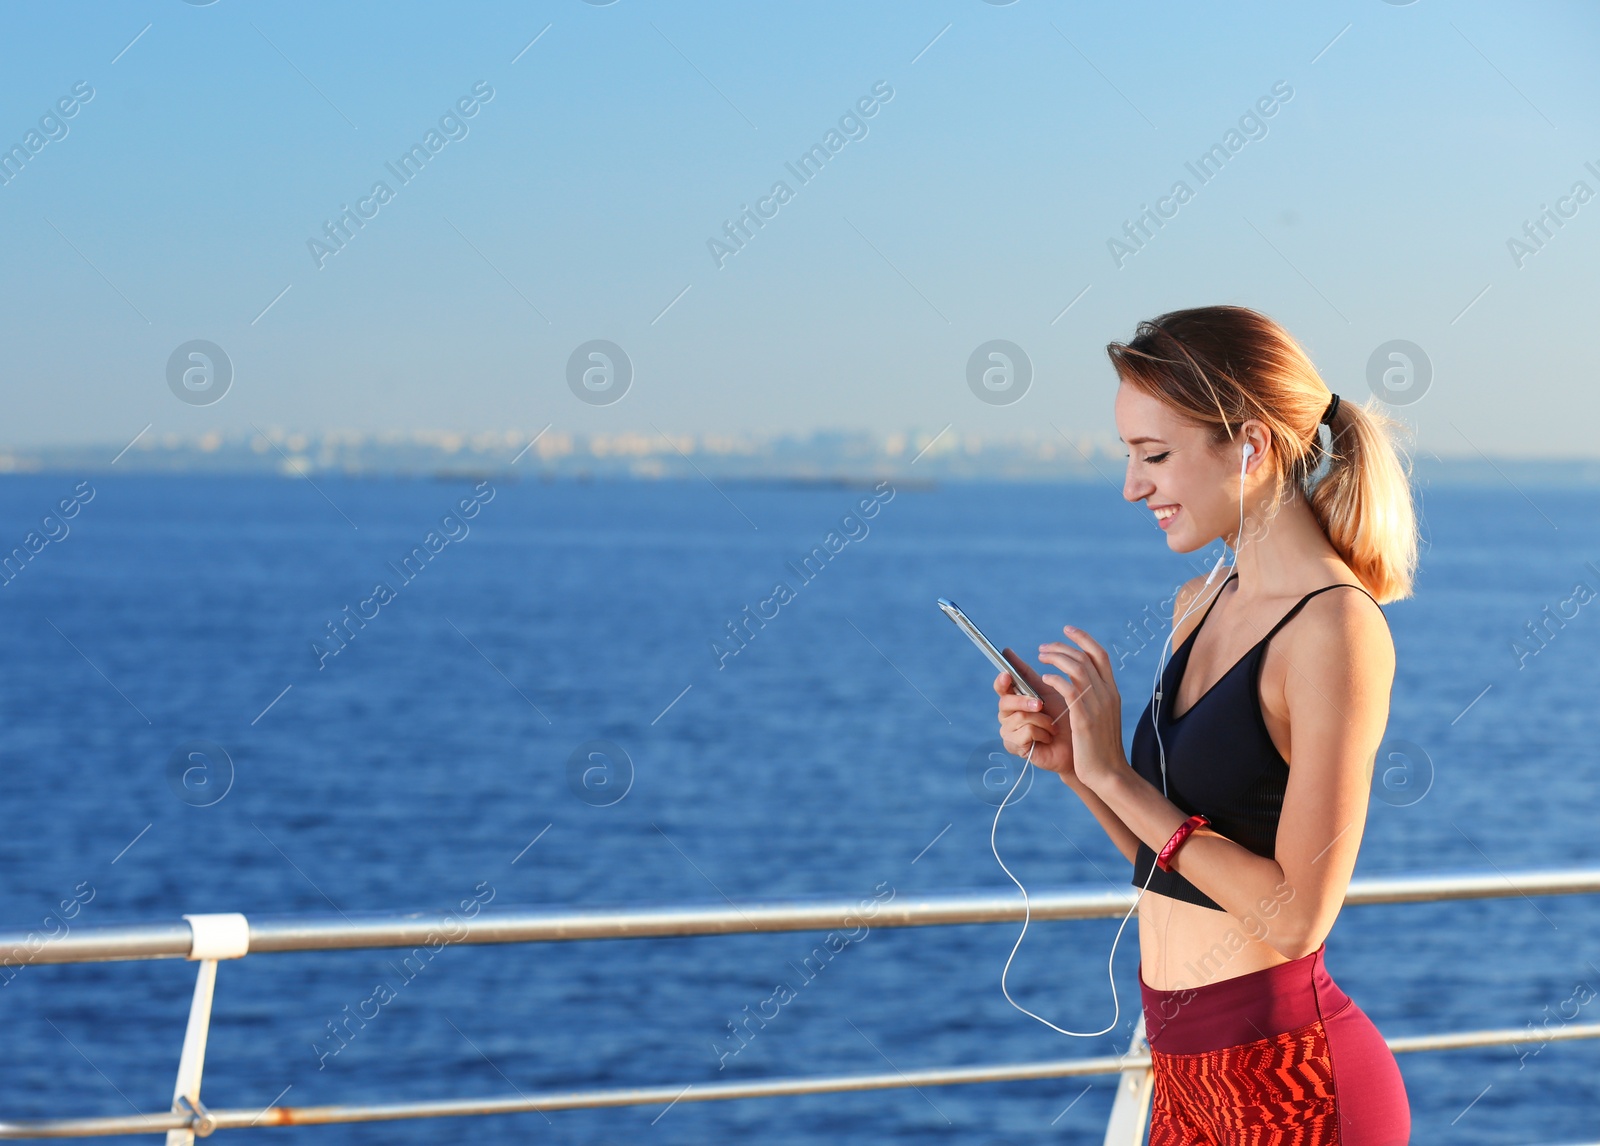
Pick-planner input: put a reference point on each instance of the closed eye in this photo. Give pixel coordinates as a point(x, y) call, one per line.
point(1155, 459)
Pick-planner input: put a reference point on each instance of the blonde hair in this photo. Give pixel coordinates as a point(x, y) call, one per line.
point(1220, 365)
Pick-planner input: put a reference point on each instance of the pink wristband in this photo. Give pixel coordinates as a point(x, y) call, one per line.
point(1163, 861)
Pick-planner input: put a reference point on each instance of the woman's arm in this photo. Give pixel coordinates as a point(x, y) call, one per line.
point(1121, 835)
point(1337, 692)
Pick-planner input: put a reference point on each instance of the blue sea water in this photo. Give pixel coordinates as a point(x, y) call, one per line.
point(427, 761)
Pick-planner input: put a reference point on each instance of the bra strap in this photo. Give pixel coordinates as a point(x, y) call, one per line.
point(1213, 604)
point(1289, 616)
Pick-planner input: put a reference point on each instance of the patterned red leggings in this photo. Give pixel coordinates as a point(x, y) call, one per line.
point(1276, 1057)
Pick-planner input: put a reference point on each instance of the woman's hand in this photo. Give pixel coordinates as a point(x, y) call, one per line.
point(1023, 721)
point(1090, 692)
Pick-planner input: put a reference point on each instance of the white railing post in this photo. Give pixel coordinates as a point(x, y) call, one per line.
point(186, 1093)
point(1132, 1107)
point(216, 937)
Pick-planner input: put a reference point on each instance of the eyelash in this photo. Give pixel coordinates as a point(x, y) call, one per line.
point(1155, 459)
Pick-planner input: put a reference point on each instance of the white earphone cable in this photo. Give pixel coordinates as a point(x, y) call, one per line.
point(1155, 721)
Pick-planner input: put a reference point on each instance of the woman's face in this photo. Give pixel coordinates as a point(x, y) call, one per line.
point(1191, 488)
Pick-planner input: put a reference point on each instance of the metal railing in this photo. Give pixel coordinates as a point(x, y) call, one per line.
point(207, 939)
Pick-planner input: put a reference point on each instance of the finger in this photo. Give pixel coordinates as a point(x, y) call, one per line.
point(1018, 743)
point(1101, 658)
point(1063, 652)
point(1074, 663)
point(1070, 692)
point(1087, 670)
point(1002, 683)
point(1064, 689)
point(1016, 702)
point(1020, 720)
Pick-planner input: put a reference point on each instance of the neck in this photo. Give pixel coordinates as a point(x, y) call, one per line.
point(1279, 556)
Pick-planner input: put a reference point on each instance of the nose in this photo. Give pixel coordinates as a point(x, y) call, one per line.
point(1134, 486)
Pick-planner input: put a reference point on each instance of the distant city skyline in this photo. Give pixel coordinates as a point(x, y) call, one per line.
point(920, 457)
point(639, 218)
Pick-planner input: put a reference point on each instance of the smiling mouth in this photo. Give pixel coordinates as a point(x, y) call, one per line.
point(1165, 514)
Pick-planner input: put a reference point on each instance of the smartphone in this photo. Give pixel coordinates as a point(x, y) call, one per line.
point(953, 611)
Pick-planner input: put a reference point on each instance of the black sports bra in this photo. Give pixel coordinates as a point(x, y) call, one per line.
point(1221, 761)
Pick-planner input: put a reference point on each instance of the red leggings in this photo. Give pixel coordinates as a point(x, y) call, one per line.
point(1276, 1057)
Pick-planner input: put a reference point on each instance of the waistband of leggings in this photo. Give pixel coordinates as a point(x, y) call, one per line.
point(1243, 1009)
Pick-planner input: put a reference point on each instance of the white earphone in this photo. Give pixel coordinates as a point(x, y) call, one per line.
point(1155, 723)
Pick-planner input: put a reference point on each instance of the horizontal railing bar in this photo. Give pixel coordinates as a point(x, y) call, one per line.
point(559, 924)
point(593, 1099)
point(669, 1095)
point(102, 944)
point(1465, 1040)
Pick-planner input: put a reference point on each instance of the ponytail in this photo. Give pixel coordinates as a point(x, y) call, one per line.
point(1363, 500)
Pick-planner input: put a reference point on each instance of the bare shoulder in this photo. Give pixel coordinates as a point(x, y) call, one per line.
point(1345, 630)
point(1330, 674)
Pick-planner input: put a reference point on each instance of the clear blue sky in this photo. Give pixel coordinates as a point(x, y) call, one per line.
point(1377, 206)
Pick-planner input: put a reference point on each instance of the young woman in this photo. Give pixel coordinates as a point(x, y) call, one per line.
point(1243, 803)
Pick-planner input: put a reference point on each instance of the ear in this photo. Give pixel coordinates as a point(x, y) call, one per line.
point(1253, 436)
